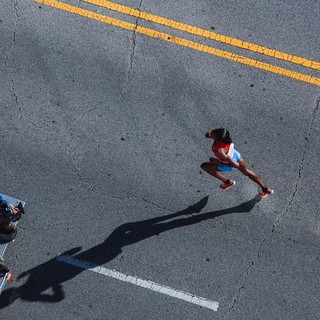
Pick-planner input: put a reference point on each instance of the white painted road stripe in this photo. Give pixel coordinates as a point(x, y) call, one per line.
point(141, 282)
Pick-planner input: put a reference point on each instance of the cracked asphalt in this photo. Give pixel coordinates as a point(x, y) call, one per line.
point(103, 128)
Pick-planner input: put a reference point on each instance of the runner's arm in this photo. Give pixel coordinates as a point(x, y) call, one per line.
point(228, 158)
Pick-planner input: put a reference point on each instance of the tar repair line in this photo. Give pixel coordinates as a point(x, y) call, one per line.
point(140, 282)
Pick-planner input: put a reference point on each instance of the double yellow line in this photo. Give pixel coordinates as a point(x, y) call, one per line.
point(191, 44)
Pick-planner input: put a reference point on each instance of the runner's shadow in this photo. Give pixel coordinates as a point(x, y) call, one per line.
point(44, 282)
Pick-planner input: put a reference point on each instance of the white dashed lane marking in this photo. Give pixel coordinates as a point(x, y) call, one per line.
point(213, 305)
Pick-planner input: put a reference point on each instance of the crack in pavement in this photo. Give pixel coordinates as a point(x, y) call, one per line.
point(134, 37)
point(281, 216)
point(11, 77)
point(151, 203)
point(13, 83)
point(15, 10)
point(297, 242)
point(69, 143)
point(16, 103)
point(21, 237)
point(88, 187)
point(224, 229)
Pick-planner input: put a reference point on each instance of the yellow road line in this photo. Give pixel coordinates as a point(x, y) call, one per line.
point(181, 41)
point(206, 34)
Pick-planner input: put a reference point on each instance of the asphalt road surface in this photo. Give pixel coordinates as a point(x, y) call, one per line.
point(103, 116)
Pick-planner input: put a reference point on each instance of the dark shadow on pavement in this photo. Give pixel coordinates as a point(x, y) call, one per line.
point(44, 282)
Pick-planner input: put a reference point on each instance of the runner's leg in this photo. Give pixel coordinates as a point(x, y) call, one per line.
point(251, 174)
point(212, 169)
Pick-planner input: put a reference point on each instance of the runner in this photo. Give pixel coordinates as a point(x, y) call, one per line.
point(229, 158)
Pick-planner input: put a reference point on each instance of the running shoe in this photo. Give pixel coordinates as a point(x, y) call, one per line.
point(227, 185)
point(265, 192)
